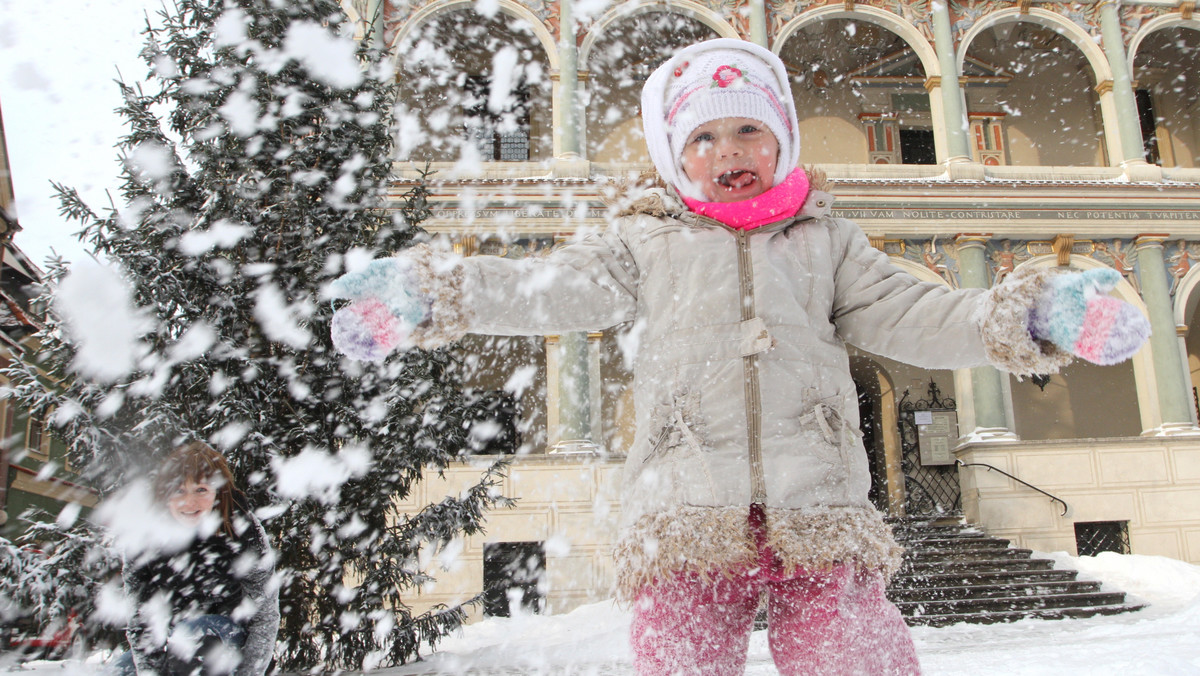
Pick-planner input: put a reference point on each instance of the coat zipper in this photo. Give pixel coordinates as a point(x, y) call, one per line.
point(758, 483)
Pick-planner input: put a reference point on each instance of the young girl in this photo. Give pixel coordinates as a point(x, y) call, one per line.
point(747, 476)
point(215, 593)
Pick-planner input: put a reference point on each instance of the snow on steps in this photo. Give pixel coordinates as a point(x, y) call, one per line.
point(955, 572)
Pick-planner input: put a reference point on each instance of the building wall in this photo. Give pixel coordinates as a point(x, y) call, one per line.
point(568, 503)
point(1154, 484)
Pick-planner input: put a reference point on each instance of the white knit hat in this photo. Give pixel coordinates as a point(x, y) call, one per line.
point(708, 81)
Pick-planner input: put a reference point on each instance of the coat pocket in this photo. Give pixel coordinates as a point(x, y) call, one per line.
point(677, 431)
point(828, 422)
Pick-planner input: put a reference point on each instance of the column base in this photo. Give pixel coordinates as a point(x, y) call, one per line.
point(1173, 430)
point(575, 447)
point(570, 165)
point(1140, 171)
point(988, 435)
point(965, 169)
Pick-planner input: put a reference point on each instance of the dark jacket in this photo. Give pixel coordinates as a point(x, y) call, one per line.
point(216, 575)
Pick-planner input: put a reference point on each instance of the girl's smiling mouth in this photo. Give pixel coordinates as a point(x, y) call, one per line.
point(737, 178)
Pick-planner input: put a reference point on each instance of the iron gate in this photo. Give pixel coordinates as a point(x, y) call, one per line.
point(932, 490)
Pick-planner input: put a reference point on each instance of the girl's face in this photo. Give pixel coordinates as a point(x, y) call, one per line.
point(731, 159)
point(192, 501)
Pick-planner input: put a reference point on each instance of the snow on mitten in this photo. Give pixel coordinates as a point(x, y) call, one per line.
point(1076, 313)
point(387, 305)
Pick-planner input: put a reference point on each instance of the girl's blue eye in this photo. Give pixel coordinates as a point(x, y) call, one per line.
point(748, 129)
point(703, 138)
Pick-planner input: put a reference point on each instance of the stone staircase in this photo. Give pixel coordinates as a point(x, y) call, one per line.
point(954, 572)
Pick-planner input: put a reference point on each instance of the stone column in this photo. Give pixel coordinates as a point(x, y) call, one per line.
point(1174, 394)
point(1125, 136)
point(374, 21)
point(569, 394)
point(758, 23)
point(987, 383)
point(958, 150)
point(568, 117)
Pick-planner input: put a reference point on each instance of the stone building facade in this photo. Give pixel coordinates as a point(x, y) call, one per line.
point(968, 139)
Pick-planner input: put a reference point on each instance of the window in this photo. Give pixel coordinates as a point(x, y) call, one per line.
point(513, 573)
point(1149, 124)
point(491, 422)
point(916, 146)
point(499, 135)
point(35, 437)
point(1093, 537)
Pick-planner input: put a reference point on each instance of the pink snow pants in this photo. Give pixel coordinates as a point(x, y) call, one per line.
point(834, 622)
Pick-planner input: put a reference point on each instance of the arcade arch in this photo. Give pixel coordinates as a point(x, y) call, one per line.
point(1165, 62)
point(1187, 314)
point(619, 54)
point(473, 87)
point(858, 78)
point(1084, 401)
point(1030, 90)
point(882, 385)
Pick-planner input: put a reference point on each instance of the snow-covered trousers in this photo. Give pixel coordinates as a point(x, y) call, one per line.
point(834, 622)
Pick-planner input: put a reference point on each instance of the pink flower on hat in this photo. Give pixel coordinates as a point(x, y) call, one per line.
point(725, 76)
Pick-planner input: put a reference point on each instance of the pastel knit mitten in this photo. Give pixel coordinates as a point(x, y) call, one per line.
point(1076, 313)
point(386, 304)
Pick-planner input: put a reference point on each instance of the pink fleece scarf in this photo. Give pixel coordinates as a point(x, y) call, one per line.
point(776, 204)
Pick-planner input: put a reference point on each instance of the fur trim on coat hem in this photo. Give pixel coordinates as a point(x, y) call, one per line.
point(441, 280)
point(1004, 322)
point(711, 541)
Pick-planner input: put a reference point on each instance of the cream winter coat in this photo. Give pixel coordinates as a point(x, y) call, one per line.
point(742, 384)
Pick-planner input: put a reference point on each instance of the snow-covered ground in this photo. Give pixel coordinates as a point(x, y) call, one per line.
point(1162, 639)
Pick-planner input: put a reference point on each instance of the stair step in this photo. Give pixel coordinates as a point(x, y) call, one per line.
point(982, 591)
point(953, 572)
point(935, 531)
point(967, 554)
point(909, 580)
point(1013, 616)
point(913, 568)
point(1011, 604)
point(954, 543)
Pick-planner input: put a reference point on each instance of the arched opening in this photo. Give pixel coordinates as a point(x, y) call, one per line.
point(1083, 401)
point(860, 94)
point(618, 64)
point(473, 89)
point(1186, 287)
point(902, 481)
point(1166, 71)
point(877, 401)
point(1030, 98)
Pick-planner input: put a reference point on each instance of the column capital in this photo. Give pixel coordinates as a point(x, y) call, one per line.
point(1104, 87)
point(972, 240)
point(1186, 9)
point(932, 83)
point(1150, 240)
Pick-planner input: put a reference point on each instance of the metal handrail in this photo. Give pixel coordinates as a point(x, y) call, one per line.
point(960, 463)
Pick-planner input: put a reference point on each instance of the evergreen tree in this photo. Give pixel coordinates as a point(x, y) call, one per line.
point(258, 153)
